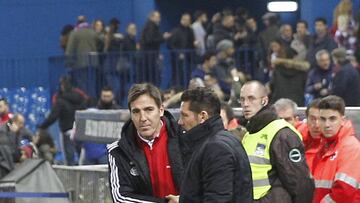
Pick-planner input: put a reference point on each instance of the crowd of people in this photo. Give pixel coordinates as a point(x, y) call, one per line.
point(202, 53)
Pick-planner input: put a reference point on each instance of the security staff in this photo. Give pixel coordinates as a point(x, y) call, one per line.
point(275, 151)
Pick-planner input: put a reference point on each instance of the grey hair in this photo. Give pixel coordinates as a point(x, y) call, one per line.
point(282, 27)
point(320, 53)
point(285, 103)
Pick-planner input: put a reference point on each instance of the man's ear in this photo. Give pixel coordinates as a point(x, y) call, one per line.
point(203, 116)
point(265, 101)
point(162, 109)
point(343, 119)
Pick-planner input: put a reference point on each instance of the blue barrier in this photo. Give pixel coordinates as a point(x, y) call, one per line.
point(33, 195)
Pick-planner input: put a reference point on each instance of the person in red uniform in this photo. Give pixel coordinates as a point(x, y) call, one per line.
point(310, 131)
point(5, 115)
point(336, 176)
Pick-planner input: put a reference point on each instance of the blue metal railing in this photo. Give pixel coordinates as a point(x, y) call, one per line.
point(119, 70)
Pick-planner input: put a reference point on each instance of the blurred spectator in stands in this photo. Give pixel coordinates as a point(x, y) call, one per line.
point(45, 145)
point(346, 82)
point(287, 110)
point(66, 102)
point(225, 69)
point(228, 117)
point(215, 22)
point(208, 64)
point(182, 37)
point(225, 31)
point(98, 26)
point(253, 33)
point(321, 40)
point(344, 35)
point(241, 36)
point(82, 55)
point(5, 114)
point(335, 172)
point(115, 66)
point(200, 20)
point(269, 34)
point(96, 153)
point(344, 8)
point(231, 123)
point(212, 81)
point(113, 39)
point(151, 37)
point(150, 41)
point(319, 79)
point(310, 131)
point(15, 143)
point(254, 44)
point(23, 136)
point(181, 43)
point(302, 40)
point(241, 15)
point(286, 37)
point(287, 73)
point(271, 31)
point(64, 37)
point(130, 43)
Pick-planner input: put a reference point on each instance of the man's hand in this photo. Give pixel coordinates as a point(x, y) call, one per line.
point(317, 86)
point(173, 198)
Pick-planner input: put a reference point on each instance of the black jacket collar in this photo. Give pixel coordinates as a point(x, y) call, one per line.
point(193, 139)
point(261, 119)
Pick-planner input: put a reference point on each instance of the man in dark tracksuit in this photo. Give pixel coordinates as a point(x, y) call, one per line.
point(217, 167)
point(65, 104)
point(145, 164)
point(275, 151)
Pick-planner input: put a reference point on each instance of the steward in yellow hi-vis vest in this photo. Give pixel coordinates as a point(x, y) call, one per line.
point(275, 150)
point(257, 146)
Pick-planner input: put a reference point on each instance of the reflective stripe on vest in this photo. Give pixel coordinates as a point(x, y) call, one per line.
point(328, 199)
point(257, 147)
point(347, 179)
point(323, 184)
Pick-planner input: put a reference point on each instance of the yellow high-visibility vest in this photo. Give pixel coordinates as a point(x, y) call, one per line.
point(257, 147)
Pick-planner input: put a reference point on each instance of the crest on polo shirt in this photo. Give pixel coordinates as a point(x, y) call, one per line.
point(134, 172)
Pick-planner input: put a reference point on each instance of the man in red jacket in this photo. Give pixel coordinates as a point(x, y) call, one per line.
point(336, 176)
point(310, 131)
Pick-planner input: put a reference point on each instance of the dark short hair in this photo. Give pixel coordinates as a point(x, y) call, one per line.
point(303, 22)
point(107, 89)
point(66, 81)
point(202, 99)
point(144, 88)
point(228, 110)
point(198, 14)
point(313, 104)
point(208, 55)
point(333, 102)
point(4, 100)
point(320, 19)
